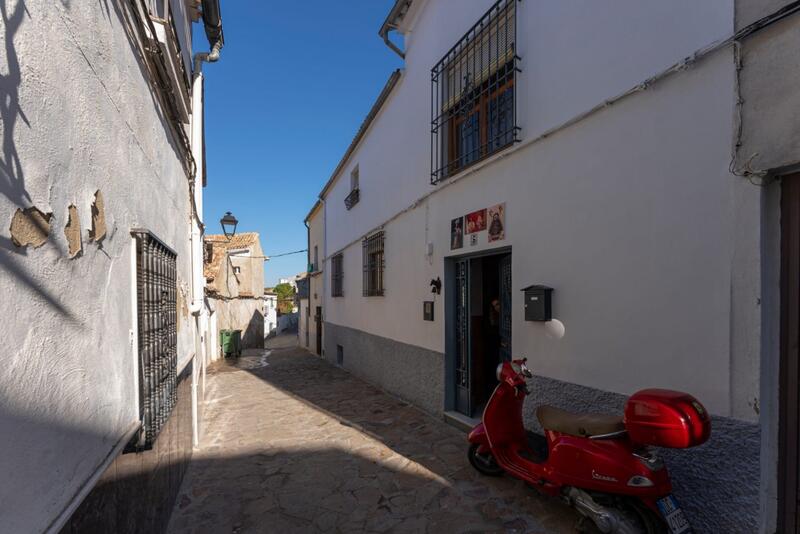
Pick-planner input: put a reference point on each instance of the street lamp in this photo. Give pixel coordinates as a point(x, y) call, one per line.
point(228, 222)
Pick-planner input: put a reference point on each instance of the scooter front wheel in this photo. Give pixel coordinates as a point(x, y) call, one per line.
point(484, 463)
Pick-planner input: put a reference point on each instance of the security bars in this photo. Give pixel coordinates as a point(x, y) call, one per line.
point(473, 103)
point(337, 276)
point(156, 291)
point(352, 199)
point(373, 260)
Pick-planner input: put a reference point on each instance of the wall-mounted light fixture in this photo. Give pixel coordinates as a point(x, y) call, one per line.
point(436, 286)
point(229, 223)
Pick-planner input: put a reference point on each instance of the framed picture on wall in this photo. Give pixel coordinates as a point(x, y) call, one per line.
point(476, 221)
point(457, 233)
point(497, 222)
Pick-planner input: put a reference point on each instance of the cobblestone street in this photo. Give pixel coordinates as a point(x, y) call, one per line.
point(293, 444)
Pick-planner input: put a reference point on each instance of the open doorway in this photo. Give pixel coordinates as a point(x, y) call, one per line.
point(478, 328)
point(789, 389)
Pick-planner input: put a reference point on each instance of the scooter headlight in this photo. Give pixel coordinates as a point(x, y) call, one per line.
point(638, 481)
point(498, 373)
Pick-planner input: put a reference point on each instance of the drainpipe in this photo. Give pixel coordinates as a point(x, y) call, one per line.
point(196, 305)
point(308, 305)
point(213, 27)
point(397, 12)
point(391, 45)
point(196, 237)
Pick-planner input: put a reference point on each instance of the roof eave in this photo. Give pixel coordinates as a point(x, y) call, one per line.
point(313, 211)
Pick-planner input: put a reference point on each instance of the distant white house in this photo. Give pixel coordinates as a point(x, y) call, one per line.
point(270, 313)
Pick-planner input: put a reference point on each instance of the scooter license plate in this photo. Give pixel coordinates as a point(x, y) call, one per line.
point(673, 515)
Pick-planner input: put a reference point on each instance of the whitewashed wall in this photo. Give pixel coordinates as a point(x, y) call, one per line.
point(77, 116)
point(631, 214)
point(319, 284)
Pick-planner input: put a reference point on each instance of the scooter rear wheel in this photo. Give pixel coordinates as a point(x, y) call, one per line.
point(483, 463)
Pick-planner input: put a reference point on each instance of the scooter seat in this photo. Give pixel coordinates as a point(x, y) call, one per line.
point(581, 425)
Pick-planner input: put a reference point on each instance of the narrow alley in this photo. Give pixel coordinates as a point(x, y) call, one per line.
point(294, 444)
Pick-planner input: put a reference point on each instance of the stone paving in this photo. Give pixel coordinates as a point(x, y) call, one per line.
point(294, 444)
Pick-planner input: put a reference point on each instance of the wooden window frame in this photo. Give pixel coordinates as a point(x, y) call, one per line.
point(454, 157)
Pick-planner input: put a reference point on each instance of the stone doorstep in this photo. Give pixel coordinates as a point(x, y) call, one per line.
point(460, 421)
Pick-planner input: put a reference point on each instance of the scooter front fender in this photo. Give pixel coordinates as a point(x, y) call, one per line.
point(478, 435)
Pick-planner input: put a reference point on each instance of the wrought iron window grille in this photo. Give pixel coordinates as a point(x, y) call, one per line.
point(156, 302)
point(473, 94)
point(374, 261)
point(337, 276)
point(352, 199)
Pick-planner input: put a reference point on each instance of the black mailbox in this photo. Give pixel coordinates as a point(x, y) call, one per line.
point(538, 303)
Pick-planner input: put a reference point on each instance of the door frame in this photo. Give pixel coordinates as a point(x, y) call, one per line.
point(450, 333)
point(789, 373)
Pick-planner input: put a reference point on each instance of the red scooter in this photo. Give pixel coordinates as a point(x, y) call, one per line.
point(602, 465)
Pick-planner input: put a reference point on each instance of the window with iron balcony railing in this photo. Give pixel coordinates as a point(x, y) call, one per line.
point(474, 94)
point(351, 199)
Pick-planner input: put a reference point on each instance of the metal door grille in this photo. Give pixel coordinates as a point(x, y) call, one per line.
point(505, 308)
point(462, 338)
point(157, 314)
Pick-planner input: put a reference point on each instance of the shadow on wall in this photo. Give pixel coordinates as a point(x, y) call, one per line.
point(253, 335)
point(35, 455)
point(12, 267)
point(12, 178)
point(138, 490)
point(47, 458)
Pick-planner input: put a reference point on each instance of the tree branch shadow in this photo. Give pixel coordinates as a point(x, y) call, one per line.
point(10, 265)
point(12, 178)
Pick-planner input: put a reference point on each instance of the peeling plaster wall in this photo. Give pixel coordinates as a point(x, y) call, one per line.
point(76, 116)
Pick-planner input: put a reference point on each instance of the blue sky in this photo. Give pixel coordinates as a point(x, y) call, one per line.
point(294, 83)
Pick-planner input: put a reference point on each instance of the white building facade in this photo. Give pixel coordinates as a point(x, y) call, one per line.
point(311, 320)
point(101, 184)
point(588, 148)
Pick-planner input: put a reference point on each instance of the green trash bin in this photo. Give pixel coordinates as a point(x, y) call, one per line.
point(237, 341)
point(227, 343)
point(231, 342)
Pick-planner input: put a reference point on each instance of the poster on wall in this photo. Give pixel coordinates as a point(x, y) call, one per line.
point(476, 221)
point(497, 222)
point(457, 233)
